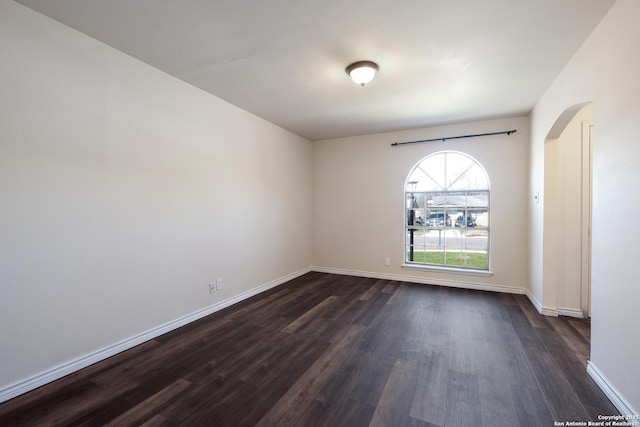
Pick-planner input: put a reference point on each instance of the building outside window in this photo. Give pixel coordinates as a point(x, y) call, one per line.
point(447, 213)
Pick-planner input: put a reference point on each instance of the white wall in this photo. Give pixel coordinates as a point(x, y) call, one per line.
point(551, 229)
point(124, 193)
point(605, 71)
point(358, 200)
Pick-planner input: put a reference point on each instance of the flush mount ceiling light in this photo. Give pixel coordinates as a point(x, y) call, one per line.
point(362, 72)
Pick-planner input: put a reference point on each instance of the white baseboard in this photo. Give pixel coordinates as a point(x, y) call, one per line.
point(545, 311)
point(426, 281)
point(75, 365)
point(534, 301)
point(616, 398)
point(548, 311)
point(571, 312)
point(554, 312)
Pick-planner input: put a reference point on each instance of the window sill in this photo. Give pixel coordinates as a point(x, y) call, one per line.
point(452, 270)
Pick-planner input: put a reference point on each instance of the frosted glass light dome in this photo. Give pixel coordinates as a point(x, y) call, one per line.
point(362, 72)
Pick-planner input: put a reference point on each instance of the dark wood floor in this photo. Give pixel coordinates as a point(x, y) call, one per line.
point(340, 351)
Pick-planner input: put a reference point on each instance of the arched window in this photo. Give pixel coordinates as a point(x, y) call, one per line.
point(447, 212)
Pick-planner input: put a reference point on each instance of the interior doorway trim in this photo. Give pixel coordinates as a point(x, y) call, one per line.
point(587, 209)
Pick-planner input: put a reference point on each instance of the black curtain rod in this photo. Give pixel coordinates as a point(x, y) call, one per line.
point(505, 132)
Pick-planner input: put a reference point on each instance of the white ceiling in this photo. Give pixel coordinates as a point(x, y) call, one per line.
point(441, 61)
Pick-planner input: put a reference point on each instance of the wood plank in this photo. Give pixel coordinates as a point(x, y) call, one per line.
point(377, 286)
point(531, 406)
point(497, 408)
point(400, 289)
point(390, 287)
point(532, 315)
point(68, 404)
point(430, 400)
point(375, 306)
point(340, 387)
point(582, 327)
point(397, 395)
point(309, 315)
point(158, 420)
point(513, 359)
point(149, 406)
point(463, 400)
point(574, 342)
point(561, 397)
point(299, 397)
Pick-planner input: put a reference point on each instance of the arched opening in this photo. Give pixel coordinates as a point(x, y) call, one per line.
point(567, 213)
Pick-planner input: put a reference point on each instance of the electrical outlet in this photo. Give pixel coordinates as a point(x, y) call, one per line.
point(218, 284)
point(212, 287)
point(387, 261)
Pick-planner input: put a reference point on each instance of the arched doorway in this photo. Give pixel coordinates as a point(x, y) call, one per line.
point(567, 213)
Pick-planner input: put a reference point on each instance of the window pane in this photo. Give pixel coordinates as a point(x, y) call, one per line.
point(438, 218)
point(410, 201)
point(457, 165)
point(471, 178)
point(480, 217)
point(420, 181)
point(435, 198)
point(456, 201)
point(478, 199)
point(414, 247)
point(421, 200)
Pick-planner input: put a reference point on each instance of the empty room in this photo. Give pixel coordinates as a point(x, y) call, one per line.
point(328, 213)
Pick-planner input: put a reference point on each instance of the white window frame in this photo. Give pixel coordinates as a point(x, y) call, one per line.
point(429, 225)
